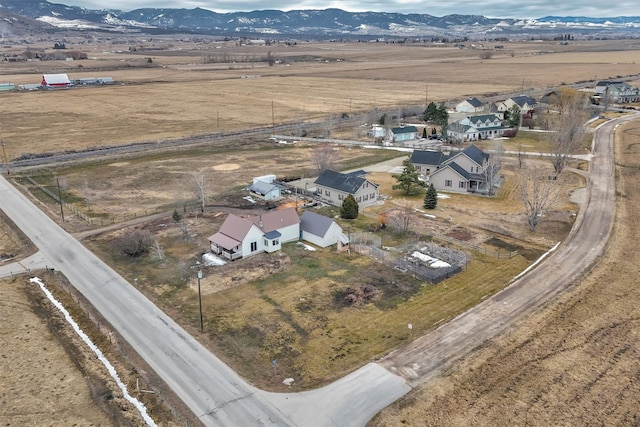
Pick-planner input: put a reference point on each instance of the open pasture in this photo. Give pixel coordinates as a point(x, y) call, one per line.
point(177, 94)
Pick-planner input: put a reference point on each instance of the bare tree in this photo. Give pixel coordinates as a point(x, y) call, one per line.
point(492, 166)
point(159, 250)
point(403, 218)
point(567, 125)
point(330, 123)
point(88, 194)
point(134, 244)
point(324, 157)
point(201, 180)
point(537, 191)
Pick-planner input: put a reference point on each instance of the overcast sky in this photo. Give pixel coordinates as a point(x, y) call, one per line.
point(489, 8)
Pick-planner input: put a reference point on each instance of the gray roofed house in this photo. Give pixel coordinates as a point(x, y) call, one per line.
point(426, 162)
point(470, 105)
point(332, 187)
point(458, 172)
point(320, 230)
point(472, 128)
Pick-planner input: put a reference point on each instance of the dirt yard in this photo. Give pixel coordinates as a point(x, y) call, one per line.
point(574, 363)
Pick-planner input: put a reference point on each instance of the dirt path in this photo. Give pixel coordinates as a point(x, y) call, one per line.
point(574, 363)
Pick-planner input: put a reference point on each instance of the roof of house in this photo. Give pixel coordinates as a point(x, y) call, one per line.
point(339, 181)
point(424, 157)
point(56, 79)
point(483, 118)
point(475, 154)
point(523, 99)
point(224, 241)
point(404, 129)
point(262, 187)
point(276, 219)
point(606, 82)
point(315, 224)
point(234, 227)
point(475, 102)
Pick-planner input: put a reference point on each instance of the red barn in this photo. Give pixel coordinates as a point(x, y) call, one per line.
point(55, 80)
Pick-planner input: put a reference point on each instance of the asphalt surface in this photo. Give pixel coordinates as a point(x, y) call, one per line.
point(219, 397)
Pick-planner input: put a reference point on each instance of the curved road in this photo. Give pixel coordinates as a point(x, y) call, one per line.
point(219, 397)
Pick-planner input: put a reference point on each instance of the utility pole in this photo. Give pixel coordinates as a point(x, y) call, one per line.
point(273, 120)
point(200, 295)
point(60, 199)
point(218, 120)
point(6, 161)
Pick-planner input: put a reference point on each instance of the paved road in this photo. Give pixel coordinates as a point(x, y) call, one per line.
point(220, 398)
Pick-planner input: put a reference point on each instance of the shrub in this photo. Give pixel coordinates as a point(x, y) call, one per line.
point(134, 244)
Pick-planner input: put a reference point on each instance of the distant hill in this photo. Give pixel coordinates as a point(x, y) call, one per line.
point(326, 23)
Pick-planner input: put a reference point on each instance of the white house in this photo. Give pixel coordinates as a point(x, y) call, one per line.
point(617, 92)
point(472, 128)
point(525, 104)
point(470, 105)
point(321, 231)
point(243, 237)
point(332, 187)
point(265, 190)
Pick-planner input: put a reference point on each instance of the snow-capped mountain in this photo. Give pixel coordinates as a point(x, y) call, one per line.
point(319, 23)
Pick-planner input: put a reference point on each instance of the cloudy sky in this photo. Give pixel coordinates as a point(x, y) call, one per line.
point(490, 8)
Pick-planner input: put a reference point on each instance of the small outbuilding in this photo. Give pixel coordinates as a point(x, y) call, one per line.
point(321, 231)
point(55, 81)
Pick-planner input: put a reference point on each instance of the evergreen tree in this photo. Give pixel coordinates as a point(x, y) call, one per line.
point(349, 209)
point(513, 118)
point(409, 179)
point(424, 133)
point(430, 113)
point(431, 198)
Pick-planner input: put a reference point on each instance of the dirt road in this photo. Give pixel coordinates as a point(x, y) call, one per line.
point(431, 354)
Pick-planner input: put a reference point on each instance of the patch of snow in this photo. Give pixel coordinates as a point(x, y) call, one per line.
point(211, 260)
point(112, 371)
point(443, 196)
point(288, 381)
point(307, 247)
point(433, 262)
point(249, 199)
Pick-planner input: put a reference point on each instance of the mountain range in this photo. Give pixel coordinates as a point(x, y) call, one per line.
point(326, 23)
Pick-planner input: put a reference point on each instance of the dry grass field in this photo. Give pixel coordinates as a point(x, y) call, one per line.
point(574, 363)
point(177, 95)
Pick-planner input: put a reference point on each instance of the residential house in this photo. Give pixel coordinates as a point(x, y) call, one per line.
point(321, 231)
point(332, 187)
point(617, 92)
point(459, 172)
point(55, 81)
point(427, 161)
point(525, 104)
point(473, 128)
point(243, 237)
point(404, 133)
point(470, 105)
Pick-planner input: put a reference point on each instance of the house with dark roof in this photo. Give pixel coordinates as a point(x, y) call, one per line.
point(404, 133)
point(459, 172)
point(426, 161)
point(525, 104)
point(240, 237)
point(470, 105)
point(321, 231)
point(332, 187)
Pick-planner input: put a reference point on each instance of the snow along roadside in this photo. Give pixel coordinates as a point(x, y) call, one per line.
point(135, 402)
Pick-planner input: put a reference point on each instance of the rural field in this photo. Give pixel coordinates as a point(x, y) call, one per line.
point(290, 305)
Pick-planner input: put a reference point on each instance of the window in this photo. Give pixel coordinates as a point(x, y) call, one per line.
point(373, 196)
point(327, 193)
point(462, 184)
point(340, 196)
point(254, 246)
point(276, 242)
point(447, 183)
